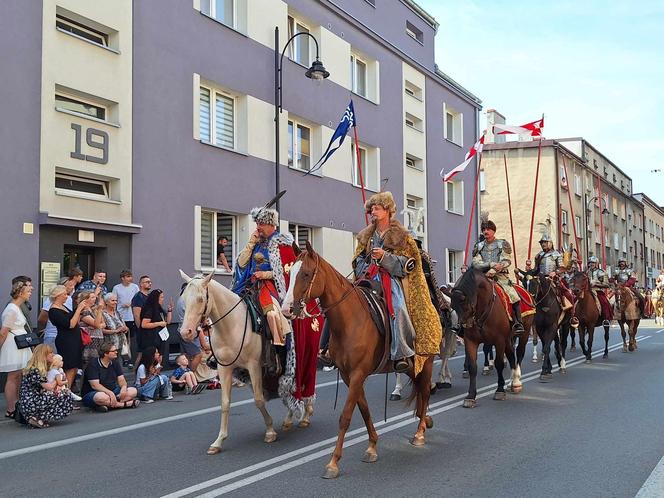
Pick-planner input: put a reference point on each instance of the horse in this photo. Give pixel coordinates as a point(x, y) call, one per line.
point(477, 305)
point(548, 309)
point(356, 346)
point(588, 315)
point(234, 343)
point(627, 312)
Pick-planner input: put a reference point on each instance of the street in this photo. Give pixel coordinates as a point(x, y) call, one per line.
point(593, 432)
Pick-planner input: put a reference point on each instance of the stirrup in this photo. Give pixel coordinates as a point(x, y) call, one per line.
point(574, 322)
point(606, 323)
point(518, 328)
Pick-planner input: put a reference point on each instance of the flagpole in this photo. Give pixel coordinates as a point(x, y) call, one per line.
point(571, 207)
point(532, 214)
point(509, 205)
point(359, 169)
point(601, 222)
point(472, 209)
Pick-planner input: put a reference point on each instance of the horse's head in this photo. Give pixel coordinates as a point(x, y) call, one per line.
point(464, 298)
point(303, 285)
point(196, 300)
point(579, 284)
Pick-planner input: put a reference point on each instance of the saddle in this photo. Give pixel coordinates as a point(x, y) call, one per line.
point(526, 303)
point(372, 291)
point(258, 321)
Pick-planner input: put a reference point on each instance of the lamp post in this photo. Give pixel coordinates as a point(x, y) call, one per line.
point(588, 211)
point(315, 72)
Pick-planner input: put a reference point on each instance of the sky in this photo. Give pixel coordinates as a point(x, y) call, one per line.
point(594, 68)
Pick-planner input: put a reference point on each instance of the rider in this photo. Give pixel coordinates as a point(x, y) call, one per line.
point(599, 282)
point(625, 275)
point(386, 252)
point(550, 262)
point(659, 283)
point(493, 257)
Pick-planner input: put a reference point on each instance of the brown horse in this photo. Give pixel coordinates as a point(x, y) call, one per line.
point(588, 315)
point(356, 346)
point(627, 312)
point(485, 320)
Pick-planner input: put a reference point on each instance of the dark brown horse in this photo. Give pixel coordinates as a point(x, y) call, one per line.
point(627, 312)
point(485, 320)
point(588, 315)
point(356, 346)
point(546, 323)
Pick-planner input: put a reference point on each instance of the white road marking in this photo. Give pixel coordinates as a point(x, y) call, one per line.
point(392, 424)
point(654, 485)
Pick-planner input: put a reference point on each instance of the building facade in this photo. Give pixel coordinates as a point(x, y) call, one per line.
point(653, 235)
point(149, 145)
point(583, 200)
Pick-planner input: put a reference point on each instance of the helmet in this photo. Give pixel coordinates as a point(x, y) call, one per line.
point(593, 259)
point(545, 238)
point(622, 260)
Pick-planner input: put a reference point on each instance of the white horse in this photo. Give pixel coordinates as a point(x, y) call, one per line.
point(233, 342)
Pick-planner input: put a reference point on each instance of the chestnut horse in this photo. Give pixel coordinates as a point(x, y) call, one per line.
point(588, 315)
point(485, 320)
point(627, 312)
point(356, 346)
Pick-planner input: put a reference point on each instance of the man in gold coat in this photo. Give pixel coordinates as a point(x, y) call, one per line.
point(386, 252)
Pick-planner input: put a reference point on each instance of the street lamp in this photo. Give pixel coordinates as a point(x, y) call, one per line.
point(315, 72)
point(588, 211)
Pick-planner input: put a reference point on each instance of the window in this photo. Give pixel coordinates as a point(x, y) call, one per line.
point(482, 181)
point(577, 226)
point(454, 197)
point(563, 178)
point(80, 107)
point(564, 221)
point(413, 90)
point(413, 122)
point(414, 216)
point(452, 125)
point(370, 167)
point(577, 185)
point(221, 10)
point(299, 50)
point(454, 262)
point(301, 234)
point(358, 75)
point(217, 118)
point(414, 162)
point(78, 29)
point(84, 187)
point(414, 32)
point(616, 241)
point(213, 226)
point(299, 146)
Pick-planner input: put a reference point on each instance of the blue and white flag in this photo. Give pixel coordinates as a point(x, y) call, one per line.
point(347, 120)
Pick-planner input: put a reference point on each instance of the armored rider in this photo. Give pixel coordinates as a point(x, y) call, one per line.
point(494, 256)
point(598, 283)
point(659, 283)
point(626, 276)
point(550, 262)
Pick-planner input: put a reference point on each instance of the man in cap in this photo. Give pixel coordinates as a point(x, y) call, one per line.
point(550, 262)
point(494, 256)
point(598, 283)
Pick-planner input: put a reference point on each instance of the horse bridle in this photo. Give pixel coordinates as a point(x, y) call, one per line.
point(481, 321)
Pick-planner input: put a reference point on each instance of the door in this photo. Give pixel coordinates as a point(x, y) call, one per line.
point(79, 257)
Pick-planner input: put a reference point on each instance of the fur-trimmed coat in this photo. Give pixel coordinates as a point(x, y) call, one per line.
point(423, 315)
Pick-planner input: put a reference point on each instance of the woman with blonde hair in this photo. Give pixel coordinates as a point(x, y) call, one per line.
point(68, 339)
point(92, 322)
point(13, 359)
point(39, 402)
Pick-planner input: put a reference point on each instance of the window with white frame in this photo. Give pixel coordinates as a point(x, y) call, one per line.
point(299, 49)
point(217, 118)
point(414, 215)
point(413, 121)
point(564, 221)
point(577, 225)
point(414, 32)
point(213, 226)
point(413, 90)
point(80, 106)
point(563, 177)
point(299, 146)
point(452, 125)
point(482, 181)
point(454, 263)
point(301, 234)
point(454, 197)
point(221, 10)
point(80, 30)
point(358, 75)
point(370, 167)
point(82, 187)
point(577, 185)
point(414, 162)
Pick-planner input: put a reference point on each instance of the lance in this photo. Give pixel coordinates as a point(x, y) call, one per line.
point(532, 214)
point(472, 209)
point(601, 221)
point(509, 205)
point(571, 207)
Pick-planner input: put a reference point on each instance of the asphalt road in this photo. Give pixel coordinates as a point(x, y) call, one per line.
point(595, 431)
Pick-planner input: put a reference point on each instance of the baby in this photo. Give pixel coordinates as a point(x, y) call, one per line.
point(57, 374)
point(184, 378)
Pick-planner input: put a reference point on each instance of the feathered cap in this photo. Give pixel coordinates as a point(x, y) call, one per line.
point(265, 216)
point(486, 222)
point(383, 199)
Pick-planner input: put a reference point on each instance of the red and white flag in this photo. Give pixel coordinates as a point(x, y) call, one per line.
point(474, 150)
point(534, 129)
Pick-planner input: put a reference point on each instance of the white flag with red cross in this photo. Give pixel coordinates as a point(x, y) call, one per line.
point(534, 128)
point(474, 150)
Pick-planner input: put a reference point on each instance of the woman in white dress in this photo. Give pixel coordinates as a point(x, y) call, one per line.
point(12, 359)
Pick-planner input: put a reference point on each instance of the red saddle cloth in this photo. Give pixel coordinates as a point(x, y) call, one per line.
point(526, 304)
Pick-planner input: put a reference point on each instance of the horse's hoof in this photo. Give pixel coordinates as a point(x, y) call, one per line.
point(445, 385)
point(516, 389)
point(428, 421)
point(432, 389)
point(304, 424)
point(286, 426)
point(469, 403)
point(370, 457)
point(534, 360)
point(486, 371)
point(605, 356)
point(573, 348)
point(588, 361)
point(270, 437)
point(500, 396)
point(213, 450)
point(624, 349)
point(417, 440)
point(395, 397)
point(545, 377)
point(631, 348)
point(330, 473)
point(465, 374)
point(563, 370)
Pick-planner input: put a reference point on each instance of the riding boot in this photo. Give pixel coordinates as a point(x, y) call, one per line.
point(517, 328)
point(458, 330)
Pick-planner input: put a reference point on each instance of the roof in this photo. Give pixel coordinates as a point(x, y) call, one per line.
point(457, 86)
point(422, 13)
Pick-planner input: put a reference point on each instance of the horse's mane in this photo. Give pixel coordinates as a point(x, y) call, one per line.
point(467, 284)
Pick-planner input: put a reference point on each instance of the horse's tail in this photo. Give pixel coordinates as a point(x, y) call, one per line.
point(423, 376)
